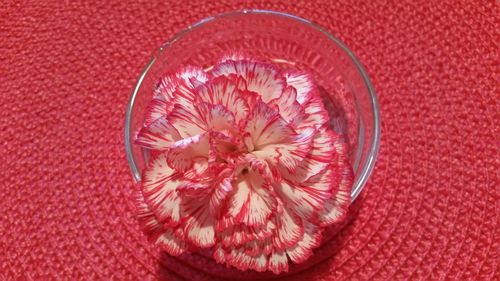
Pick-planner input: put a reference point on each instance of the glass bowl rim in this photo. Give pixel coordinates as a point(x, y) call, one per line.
point(369, 164)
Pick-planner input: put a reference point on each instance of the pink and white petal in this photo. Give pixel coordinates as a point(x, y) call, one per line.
point(252, 248)
point(308, 198)
point(186, 121)
point(241, 234)
point(286, 99)
point(222, 186)
point(170, 243)
point(203, 117)
point(193, 75)
point(228, 67)
point(157, 234)
point(263, 246)
point(165, 88)
point(278, 262)
point(199, 227)
point(297, 200)
point(267, 246)
point(225, 91)
point(288, 107)
point(324, 183)
point(250, 203)
point(156, 109)
point(188, 77)
point(301, 251)
point(203, 208)
point(238, 237)
point(225, 222)
point(184, 153)
point(215, 117)
point(268, 172)
point(260, 233)
point(235, 236)
point(265, 232)
point(198, 172)
point(337, 207)
point(238, 258)
point(299, 117)
point(159, 188)
point(251, 98)
point(158, 135)
point(219, 254)
point(294, 114)
point(248, 141)
point(303, 83)
point(265, 126)
point(184, 96)
point(222, 147)
point(195, 189)
point(211, 187)
point(315, 106)
point(315, 114)
point(289, 154)
point(341, 146)
point(147, 220)
point(289, 229)
point(239, 81)
point(166, 208)
point(261, 78)
point(322, 154)
point(260, 263)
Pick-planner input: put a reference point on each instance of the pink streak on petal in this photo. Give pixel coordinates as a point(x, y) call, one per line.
point(251, 202)
point(316, 114)
point(224, 91)
point(157, 135)
point(301, 251)
point(188, 78)
point(186, 121)
point(303, 83)
point(336, 208)
point(184, 153)
point(199, 227)
point(322, 154)
point(159, 188)
point(278, 262)
point(261, 78)
point(184, 95)
point(165, 88)
point(288, 155)
point(265, 126)
point(289, 229)
point(156, 109)
point(288, 108)
point(192, 74)
point(155, 231)
point(215, 117)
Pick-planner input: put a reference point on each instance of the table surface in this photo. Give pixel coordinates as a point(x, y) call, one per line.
point(430, 210)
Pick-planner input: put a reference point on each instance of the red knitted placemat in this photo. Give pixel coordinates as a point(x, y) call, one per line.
point(430, 211)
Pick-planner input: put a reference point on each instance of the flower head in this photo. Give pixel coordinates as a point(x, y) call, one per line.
point(242, 162)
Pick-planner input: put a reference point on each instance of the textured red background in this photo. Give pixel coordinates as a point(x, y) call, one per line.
point(430, 211)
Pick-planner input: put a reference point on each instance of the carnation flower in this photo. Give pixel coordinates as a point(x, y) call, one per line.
point(242, 161)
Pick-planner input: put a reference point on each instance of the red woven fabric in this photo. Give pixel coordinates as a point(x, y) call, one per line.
point(430, 211)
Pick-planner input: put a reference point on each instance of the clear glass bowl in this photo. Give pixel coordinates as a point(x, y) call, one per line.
point(286, 40)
